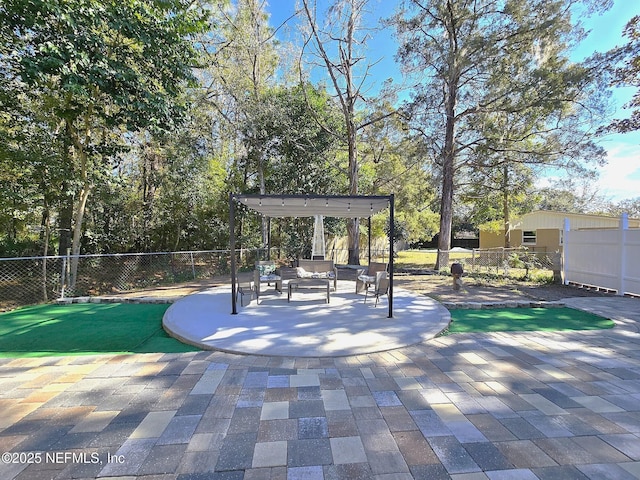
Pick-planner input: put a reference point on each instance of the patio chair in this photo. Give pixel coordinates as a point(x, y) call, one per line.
point(244, 287)
point(366, 276)
point(265, 272)
point(381, 287)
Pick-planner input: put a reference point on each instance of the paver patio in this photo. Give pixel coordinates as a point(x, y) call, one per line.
point(469, 406)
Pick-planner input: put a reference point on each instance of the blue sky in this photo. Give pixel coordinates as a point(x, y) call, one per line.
point(620, 178)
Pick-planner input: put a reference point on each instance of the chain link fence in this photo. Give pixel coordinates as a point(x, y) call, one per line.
point(29, 280)
point(509, 261)
point(32, 280)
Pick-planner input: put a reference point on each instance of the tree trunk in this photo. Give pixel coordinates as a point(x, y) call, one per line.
point(505, 206)
point(81, 155)
point(77, 232)
point(448, 170)
point(46, 224)
point(353, 226)
point(65, 220)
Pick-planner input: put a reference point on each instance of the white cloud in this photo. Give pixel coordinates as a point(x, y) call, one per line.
point(620, 178)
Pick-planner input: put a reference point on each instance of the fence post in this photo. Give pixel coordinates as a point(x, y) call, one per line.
point(63, 279)
point(193, 267)
point(622, 271)
point(565, 244)
point(473, 259)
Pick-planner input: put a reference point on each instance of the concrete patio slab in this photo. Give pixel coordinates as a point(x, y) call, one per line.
point(306, 326)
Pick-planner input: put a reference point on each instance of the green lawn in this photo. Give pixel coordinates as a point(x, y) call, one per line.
point(424, 259)
point(87, 328)
point(525, 319)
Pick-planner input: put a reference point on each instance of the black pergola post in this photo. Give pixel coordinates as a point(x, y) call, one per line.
point(369, 237)
point(391, 236)
point(232, 241)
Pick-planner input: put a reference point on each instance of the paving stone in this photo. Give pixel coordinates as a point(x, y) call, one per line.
point(525, 454)
point(245, 420)
point(544, 405)
point(304, 380)
point(597, 404)
point(487, 456)
point(413, 400)
point(387, 462)
point(429, 423)
point(251, 397)
point(278, 381)
point(357, 401)
point(313, 427)
point(632, 467)
point(562, 472)
point(306, 408)
point(347, 450)
point(335, 400)
point(628, 444)
point(179, 430)
point(94, 422)
point(278, 394)
point(521, 428)
point(236, 452)
point(431, 472)
point(194, 405)
point(153, 424)
point(453, 455)
point(414, 448)
point(270, 454)
point(386, 399)
point(134, 452)
point(605, 472)
point(512, 474)
point(341, 423)
point(308, 452)
point(274, 430)
point(348, 471)
point(305, 473)
point(208, 383)
point(407, 383)
point(256, 380)
point(311, 392)
point(465, 431)
point(398, 419)
point(600, 451)
point(274, 411)
point(43, 439)
point(162, 459)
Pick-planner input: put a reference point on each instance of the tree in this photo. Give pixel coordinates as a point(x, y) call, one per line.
point(339, 47)
point(475, 59)
point(241, 65)
point(623, 65)
point(393, 161)
point(99, 69)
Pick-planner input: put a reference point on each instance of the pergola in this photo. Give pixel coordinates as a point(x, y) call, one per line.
point(342, 206)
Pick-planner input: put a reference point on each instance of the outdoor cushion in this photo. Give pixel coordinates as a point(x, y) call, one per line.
point(266, 270)
point(302, 273)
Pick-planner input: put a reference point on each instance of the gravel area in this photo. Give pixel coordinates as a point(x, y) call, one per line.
point(438, 287)
point(441, 288)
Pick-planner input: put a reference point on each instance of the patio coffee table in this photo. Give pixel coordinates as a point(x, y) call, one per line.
point(309, 283)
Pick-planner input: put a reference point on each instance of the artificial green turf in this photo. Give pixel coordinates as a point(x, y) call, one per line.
point(86, 328)
point(525, 319)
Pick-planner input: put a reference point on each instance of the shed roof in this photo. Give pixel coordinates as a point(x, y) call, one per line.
point(541, 219)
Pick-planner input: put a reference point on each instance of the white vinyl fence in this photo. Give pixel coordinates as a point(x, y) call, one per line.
point(607, 259)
